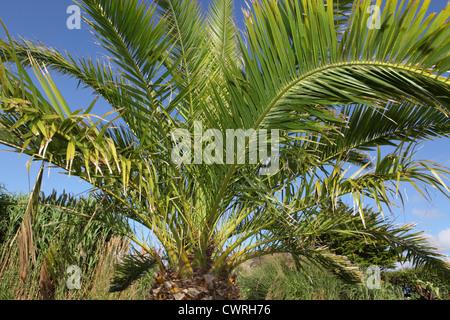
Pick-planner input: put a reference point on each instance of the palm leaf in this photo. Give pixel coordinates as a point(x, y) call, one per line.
point(130, 269)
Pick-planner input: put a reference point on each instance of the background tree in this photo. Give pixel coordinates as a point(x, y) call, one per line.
point(358, 248)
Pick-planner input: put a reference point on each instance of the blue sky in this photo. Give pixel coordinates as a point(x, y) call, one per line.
point(45, 20)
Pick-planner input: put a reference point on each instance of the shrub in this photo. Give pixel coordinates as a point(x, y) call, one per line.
point(419, 283)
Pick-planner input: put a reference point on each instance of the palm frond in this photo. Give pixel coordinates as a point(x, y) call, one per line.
point(131, 268)
point(369, 128)
point(187, 57)
point(130, 33)
point(298, 61)
point(221, 20)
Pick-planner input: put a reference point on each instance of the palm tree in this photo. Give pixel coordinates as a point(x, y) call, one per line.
point(325, 89)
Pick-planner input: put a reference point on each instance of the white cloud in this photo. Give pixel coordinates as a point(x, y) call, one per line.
point(441, 241)
point(443, 238)
point(428, 213)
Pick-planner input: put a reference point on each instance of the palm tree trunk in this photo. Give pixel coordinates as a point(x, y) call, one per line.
point(200, 286)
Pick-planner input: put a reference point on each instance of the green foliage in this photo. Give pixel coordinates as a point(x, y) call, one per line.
point(131, 267)
point(62, 219)
point(6, 225)
point(420, 283)
point(278, 279)
point(360, 249)
point(63, 235)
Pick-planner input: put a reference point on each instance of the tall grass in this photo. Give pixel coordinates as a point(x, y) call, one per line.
point(277, 279)
point(61, 238)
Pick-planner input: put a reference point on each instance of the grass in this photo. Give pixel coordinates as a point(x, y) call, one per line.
point(63, 240)
point(278, 280)
point(95, 282)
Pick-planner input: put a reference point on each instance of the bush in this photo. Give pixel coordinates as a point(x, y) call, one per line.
point(419, 283)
